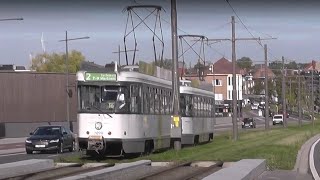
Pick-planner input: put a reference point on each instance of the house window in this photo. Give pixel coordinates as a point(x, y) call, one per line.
point(219, 97)
point(217, 82)
point(229, 94)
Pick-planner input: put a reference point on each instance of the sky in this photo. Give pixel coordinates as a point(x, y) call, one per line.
point(295, 24)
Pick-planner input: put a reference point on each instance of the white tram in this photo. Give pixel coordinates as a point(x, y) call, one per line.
point(130, 112)
point(197, 110)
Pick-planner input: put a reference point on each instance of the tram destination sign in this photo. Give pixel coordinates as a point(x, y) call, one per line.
point(101, 77)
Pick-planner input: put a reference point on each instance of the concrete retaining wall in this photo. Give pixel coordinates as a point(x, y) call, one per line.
point(24, 167)
point(245, 169)
point(13, 130)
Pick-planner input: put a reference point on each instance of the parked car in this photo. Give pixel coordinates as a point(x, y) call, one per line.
point(280, 112)
point(50, 138)
point(254, 107)
point(277, 119)
point(248, 122)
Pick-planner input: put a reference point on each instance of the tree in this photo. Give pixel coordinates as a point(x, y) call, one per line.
point(258, 87)
point(56, 62)
point(276, 67)
point(292, 65)
point(244, 63)
point(198, 65)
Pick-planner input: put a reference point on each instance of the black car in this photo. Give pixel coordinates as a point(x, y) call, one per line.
point(248, 122)
point(50, 138)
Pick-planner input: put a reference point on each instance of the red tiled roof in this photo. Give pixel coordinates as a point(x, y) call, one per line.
point(309, 66)
point(260, 73)
point(224, 66)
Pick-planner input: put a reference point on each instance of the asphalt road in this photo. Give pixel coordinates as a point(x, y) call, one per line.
point(260, 121)
point(316, 157)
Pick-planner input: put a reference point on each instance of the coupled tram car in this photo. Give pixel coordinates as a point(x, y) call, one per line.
point(123, 112)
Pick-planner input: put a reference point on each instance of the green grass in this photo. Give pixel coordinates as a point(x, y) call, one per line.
point(278, 146)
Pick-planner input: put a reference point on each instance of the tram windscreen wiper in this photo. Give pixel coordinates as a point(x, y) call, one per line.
point(100, 110)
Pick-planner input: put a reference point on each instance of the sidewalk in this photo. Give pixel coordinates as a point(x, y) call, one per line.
point(12, 145)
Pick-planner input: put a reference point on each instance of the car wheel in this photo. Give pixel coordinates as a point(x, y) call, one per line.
point(73, 147)
point(60, 149)
point(274, 123)
point(29, 151)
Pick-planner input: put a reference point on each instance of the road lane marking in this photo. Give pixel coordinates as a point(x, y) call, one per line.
point(311, 162)
point(14, 154)
point(53, 155)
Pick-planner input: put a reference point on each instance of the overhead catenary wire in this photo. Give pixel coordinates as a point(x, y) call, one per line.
point(259, 42)
point(166, 21)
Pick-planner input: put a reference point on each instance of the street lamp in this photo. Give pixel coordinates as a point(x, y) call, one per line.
point(67, 74)
point(12, 19)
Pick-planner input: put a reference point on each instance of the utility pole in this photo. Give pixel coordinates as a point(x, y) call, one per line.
point(234, 91)
point(299, 96)
point(66, 40)
point(284, 94)
point(119, 53)
point(67, 75)
point(312, 95)
point(214, 92)
point(176, 129)
point(266, 115)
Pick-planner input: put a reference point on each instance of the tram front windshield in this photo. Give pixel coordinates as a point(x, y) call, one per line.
point(108, 99)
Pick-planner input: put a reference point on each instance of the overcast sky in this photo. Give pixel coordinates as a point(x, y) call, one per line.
point(295, 23)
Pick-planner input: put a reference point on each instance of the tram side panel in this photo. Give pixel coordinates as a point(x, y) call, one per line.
point(131, 130)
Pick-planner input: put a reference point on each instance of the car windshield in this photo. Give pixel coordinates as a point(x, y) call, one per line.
point(47, 131)
point(248, 120)
point(277, 117)
point(107, 99)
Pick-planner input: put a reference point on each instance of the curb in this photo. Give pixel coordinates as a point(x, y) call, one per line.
point(302, 161)
point(311, 162)
point(25, 167)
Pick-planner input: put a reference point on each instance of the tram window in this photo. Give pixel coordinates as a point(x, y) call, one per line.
point(156, 101)
point(166, 104)
point(188, 100)
point(146, 102)
point(195, 106)
point(204, 107)
point(151, 97)
point(182, 105)
point(209, 107)
point(161, 101)
point(134, 98)
point(89, 96)
point(199, 107)
point(109, 98)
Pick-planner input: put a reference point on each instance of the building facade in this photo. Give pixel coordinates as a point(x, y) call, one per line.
point(220, 76)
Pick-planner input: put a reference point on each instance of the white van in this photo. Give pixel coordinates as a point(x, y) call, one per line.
point(277, 119)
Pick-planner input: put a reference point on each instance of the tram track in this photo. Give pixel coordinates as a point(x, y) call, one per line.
point(183, 171)
point(59, 172)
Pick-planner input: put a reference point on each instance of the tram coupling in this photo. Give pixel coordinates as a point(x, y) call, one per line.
point(95, 143)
